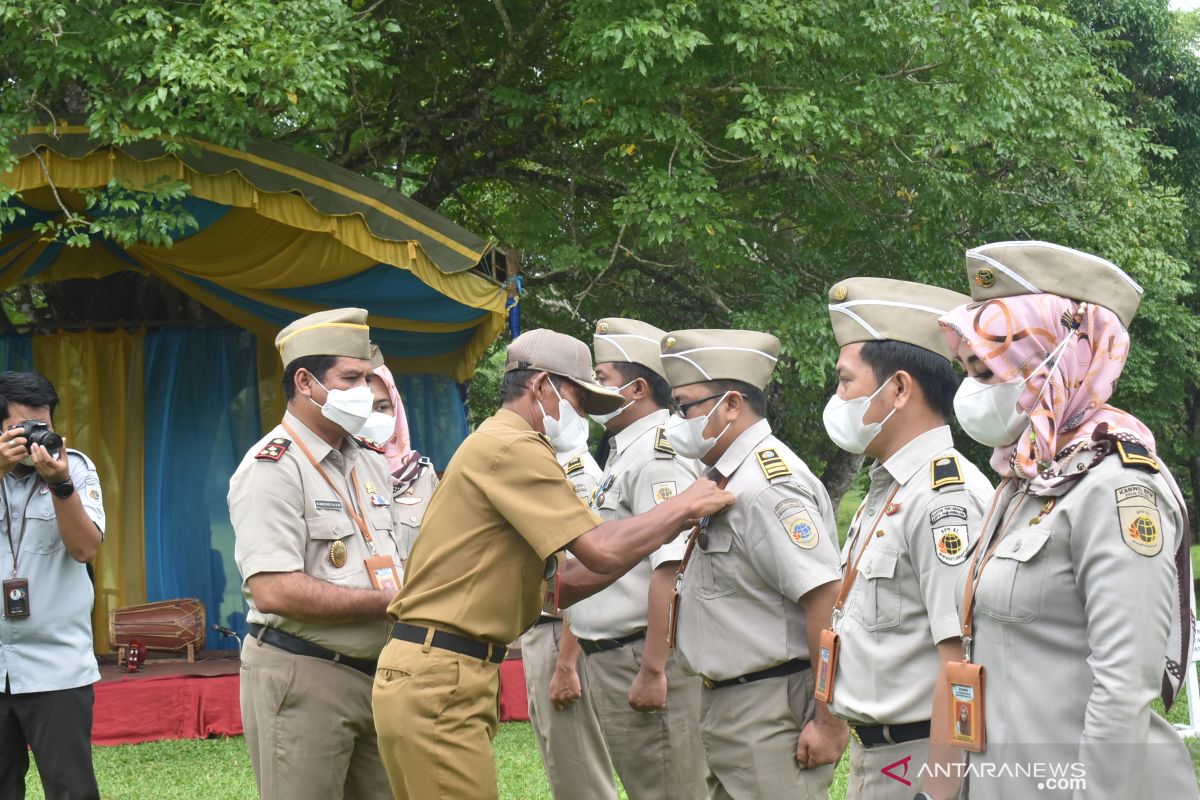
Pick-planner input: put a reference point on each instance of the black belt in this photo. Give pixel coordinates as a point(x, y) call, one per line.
point(546, 619)
point(302, 647)
point(593, 646)
point(444, 640)
point(876, 735)
point(786, 668)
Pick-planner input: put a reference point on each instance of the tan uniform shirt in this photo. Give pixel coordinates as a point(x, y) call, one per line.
point(641, 472)
point(904, 600)
point(286, 518)
point(1072, 616)
point(503, 508)
point(740, 609)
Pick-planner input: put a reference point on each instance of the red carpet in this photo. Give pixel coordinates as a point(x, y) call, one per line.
point(171, 699)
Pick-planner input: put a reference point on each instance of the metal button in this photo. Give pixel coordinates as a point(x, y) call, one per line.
point(413, 519)
point(867, 569)
point(1016, 545)
point(871, 510)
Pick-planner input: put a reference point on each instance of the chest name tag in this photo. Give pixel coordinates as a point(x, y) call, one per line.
point(327, 505)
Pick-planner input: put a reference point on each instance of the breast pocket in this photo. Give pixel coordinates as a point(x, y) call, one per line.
point(1011, 587)
point(879, 591)
point(718, 569)
point(608, 502)
point(41, 529)
point(332, 555)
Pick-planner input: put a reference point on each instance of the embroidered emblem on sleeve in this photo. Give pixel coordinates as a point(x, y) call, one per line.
point(663, 491)
point(798, 523)
point(949, 527)
point(1137, 517)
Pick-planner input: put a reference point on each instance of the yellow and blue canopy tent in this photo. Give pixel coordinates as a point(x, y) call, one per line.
point(166, 412)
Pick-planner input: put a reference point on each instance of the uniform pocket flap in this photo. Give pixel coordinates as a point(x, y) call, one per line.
point(1022, 546)
point(329, 528)
point(878, 564)
point(716, 541)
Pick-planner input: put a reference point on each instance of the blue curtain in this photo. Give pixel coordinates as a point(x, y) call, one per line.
point(16, 352)
point(437, 418)
point(201, 418)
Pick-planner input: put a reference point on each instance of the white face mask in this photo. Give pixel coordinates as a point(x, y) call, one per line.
point(686, 435)
point(603, 419)
point(844, 421)
point(379, 427)
point(988, 412)
point(569, 432)
point(347, 408)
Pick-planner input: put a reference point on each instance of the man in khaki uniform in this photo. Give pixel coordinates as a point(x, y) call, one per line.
point(477, 572)
point(317, 621)
point(913, 532)
point(759, 584)
point(564, 722)
point(649, 710)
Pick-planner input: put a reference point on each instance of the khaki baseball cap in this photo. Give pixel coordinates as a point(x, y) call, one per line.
point(566, 356)
point(696, 356)
point(1005, 269)
point(874, 309)
point(629, 340)
point(336, 332)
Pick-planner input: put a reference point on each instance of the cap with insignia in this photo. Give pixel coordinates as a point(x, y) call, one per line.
point(1004, 269)
point(336, 332)
point(629, 340)
point(874, 309)
point(696, 356)
point(566, 356)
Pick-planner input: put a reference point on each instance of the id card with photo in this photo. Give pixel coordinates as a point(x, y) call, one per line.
point(383, 573)
point(16, 598)
point(967, 730)
point(827, 659)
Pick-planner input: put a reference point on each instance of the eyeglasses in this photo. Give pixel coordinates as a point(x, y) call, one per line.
point(683, 409)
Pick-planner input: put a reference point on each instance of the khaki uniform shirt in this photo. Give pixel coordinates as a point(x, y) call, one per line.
point(410, 508)
point(641, 472)
point(904, 600)
point(740, 610)
point(1072, 616)
point(503, 508)
point(286, 518)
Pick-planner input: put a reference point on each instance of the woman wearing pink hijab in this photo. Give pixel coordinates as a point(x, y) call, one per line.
point(1075, 602)
point(413, 477)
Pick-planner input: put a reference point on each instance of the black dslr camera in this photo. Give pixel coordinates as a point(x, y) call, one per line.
point(37, 432)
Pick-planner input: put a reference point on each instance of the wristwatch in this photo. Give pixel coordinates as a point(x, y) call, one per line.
point(63, 490)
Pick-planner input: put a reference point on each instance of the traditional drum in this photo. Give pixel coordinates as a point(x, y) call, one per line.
point(174, 625)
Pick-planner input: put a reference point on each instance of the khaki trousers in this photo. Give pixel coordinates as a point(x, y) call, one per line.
point(308, 727)
point(436, 713)
point(572, 747)
point(750, 734)
point(866, 780)
point(658, 755)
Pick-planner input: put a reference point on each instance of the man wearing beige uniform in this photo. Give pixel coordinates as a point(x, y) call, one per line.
point(313, 523)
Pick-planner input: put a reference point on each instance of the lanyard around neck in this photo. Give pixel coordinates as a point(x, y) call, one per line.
point(15, 548)
point(986, 549)
point(852, 571)
point(353, 481)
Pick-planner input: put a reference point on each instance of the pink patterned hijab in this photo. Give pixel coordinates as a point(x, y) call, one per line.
point(1012, 336)
point(398, 449)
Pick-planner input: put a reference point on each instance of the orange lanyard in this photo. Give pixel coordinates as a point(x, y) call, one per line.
point(975, 573)
point(852, 573)
point(354, 515)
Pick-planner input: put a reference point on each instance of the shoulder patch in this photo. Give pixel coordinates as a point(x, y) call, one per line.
point(1138, 520)
point(274, 449)
point(945, 471)
point(367, 444)
point(772, 463)
point(795, 519)
point(949, 527)
point(574, 465)
point(1134, 454)
point(661, 444)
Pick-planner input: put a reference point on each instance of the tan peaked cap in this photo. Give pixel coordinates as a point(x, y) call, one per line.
point(696, 356)
point(629, 340)
point(1005, 269)
point(873, 309)
point(336, 332)
point(563, 355)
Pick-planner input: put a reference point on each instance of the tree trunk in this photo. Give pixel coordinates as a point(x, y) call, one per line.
point(840, 469)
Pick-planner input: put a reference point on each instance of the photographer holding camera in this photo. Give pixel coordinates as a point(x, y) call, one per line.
point(52, 523)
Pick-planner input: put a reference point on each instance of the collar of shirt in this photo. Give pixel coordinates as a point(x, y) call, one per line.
point(633, 430)
point(742, 447)
point(511, 419)
point(320, 449)
point(910, 459)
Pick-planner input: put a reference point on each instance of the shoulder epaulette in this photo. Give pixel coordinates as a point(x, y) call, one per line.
point(773, 465)
point(274, 449)
point(661, 444)
point(1135, 454)
point(367, 444)
point(573, 466)
point(945, 471)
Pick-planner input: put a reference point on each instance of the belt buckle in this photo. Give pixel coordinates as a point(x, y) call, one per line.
point(708, 684)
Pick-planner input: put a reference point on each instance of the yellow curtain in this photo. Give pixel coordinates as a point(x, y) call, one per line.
point(271, 402)
point(101, 411)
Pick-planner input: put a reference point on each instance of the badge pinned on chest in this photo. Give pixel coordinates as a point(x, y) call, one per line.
point(949, 526)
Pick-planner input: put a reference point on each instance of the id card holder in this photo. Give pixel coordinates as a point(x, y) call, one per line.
point(672, 618)
point(550, 587)
point(967, 729)
point(383, 574)
point(827, 659)
point(16, 598)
